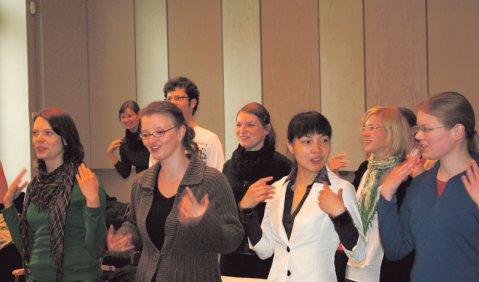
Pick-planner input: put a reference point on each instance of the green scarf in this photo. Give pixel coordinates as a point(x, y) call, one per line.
point(368, 199)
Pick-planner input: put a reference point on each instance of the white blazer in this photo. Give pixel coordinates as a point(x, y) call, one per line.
point(309, 253)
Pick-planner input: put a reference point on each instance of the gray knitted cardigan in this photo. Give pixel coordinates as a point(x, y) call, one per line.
point(189, 253)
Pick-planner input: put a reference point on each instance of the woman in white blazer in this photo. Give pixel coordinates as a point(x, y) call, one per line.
point(308, 213)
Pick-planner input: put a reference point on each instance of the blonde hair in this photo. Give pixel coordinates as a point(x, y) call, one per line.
point(453, 108)
point(397, 129)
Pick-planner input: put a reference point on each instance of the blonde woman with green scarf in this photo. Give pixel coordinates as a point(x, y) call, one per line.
point(385, 134)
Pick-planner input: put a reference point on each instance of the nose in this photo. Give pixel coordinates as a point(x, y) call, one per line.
point(419, 135)
point(39, 138)
point(317, 147)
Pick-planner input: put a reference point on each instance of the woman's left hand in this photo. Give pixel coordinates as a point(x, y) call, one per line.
point(471, 182)
point(89, 186)
point(190, 211)
point(331, 203)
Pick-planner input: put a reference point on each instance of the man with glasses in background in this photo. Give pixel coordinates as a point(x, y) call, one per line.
point(184, 93)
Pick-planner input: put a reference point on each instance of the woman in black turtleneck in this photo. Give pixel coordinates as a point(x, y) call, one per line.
point(132, 150)
point(255, 158)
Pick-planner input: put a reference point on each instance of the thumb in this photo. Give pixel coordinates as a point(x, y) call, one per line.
point(205, 201)
point(111, 231)
point(340, 193)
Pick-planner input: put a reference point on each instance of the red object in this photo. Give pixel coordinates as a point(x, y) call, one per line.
point(3, 183)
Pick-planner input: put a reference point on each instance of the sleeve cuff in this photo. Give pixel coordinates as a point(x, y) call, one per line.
point(342, 219)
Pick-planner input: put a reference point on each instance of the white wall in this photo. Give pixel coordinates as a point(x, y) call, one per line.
point(14, 116)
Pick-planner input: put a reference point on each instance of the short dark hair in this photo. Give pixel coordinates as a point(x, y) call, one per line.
point(409, 115)
point(263, 116)
point(170, 109)
point(63, 125)
point(128, 105)
point(184, 83)
point(307, 123)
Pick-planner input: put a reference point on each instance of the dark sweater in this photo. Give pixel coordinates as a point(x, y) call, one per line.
point(132, 153)
point(444, 231)
point(242, 170)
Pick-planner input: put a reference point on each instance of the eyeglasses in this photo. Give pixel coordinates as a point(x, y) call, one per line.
point(156, 133)
point(175, 98)
point(370, 128)
point(426, 129)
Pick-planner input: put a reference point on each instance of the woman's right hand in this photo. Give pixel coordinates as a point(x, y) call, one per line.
point(257, 193)
point(114, 145)
point(391, 183)
point(118, 243)
point(14, 189)
point(338, 162)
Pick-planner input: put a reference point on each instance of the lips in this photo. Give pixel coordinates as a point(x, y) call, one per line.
point(316, 161)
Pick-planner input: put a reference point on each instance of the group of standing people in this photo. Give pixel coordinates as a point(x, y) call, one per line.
point(268, 216)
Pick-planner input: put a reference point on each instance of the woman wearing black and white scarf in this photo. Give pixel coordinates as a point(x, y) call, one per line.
point(62, 226)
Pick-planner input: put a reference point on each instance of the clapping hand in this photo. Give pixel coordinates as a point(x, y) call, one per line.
point(338, 162)
point(331, 203)
point(190, 211)
point(89, 186)
point(114, 145)
point(471, 181)
point(14, 189)
point(257, 193)
point(118, 243)
point(391, 182)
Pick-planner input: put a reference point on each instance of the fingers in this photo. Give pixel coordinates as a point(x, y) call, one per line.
point(340, 193)
point(84, 174)
point(262, 181)
point(205, 201)
point(118, 242)
point(15, 183)
point(326, 186)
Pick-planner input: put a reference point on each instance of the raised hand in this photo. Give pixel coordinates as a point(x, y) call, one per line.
point(338, 162)
point(391, 182)
point(114, 145)
point(257, 193)
point(89, 186)
point(118, 243)
point(190, 211)
point(331, 203)
point(14, 189)
point(471, 181)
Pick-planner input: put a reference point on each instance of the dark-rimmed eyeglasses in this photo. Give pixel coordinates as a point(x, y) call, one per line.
point(175, 98)
point(157, 133)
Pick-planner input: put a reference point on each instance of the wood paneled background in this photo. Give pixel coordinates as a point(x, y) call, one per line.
point(338, 57)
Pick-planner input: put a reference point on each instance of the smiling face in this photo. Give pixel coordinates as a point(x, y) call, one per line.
point(170, 144)
point(374, 137)
point(130, 119)
point(250, 132)
point(435, 140)
point(48, 145)
point(311, 152)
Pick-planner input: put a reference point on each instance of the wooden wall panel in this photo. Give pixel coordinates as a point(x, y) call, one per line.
point(395, 52)
point(342, 74)
point(111, 47)
point(242, 62)
point(151, 47)
point(290, 59)
point(453, 34)
point(63, 62)
point(195, 51)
